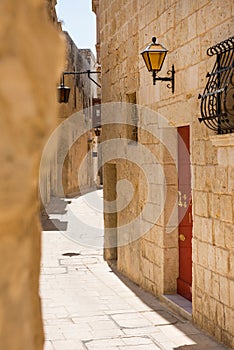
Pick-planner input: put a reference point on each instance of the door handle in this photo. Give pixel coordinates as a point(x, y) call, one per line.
point(182, 200)
point(182, 237)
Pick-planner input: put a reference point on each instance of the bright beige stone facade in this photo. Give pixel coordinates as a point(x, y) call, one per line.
point(81, 96)
point(187, 29)
point(30, 66)
point(83, 90)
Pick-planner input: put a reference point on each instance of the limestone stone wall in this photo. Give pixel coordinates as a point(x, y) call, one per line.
point(81, 95)
point(187, 29)
point(32, 56)
point(95, 8)
point(50, 4)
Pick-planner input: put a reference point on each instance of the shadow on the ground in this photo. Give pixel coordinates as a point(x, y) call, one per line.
point(56, 206)
point(148, 299)
point(201, 340)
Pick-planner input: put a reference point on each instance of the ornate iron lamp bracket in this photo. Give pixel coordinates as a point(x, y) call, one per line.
point(64, 91)
point(171, 78)
point(88, 72)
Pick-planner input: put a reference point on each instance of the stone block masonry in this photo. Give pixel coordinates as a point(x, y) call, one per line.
point(32, 56)
point(187, 29)
point(88, 305)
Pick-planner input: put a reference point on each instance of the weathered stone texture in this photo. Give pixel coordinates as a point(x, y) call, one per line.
point(31, 59)
point(187, 29)
point(81, 94)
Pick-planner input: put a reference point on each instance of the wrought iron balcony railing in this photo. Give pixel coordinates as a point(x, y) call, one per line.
point(217, 100)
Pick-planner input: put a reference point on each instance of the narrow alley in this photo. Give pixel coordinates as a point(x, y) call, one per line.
point(117, 175)
point(87, 305)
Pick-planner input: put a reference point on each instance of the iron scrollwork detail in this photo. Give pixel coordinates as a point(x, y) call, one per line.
point(217, 101)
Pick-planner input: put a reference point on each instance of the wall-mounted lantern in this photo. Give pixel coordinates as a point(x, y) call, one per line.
point(97, 131)
point(64, 91)
point(154, 55)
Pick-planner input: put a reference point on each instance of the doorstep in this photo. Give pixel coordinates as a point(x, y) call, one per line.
point(179, 304)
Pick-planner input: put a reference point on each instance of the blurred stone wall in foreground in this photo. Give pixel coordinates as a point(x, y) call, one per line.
point(32, 55)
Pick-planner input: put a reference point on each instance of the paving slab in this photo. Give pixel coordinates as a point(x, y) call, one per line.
point(87, 305)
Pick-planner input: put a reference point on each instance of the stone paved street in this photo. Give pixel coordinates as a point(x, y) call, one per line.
point(88, 306)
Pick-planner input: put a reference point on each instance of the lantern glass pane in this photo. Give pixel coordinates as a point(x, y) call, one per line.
point(154, 55)
point(147, 60)
point(63, 94)
point(156, 59)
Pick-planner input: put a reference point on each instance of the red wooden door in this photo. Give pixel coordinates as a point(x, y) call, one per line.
point(184, 281)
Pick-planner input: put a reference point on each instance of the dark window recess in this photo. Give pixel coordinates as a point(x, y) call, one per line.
point(96, 113)
point(132, 127)
point(217, 101)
